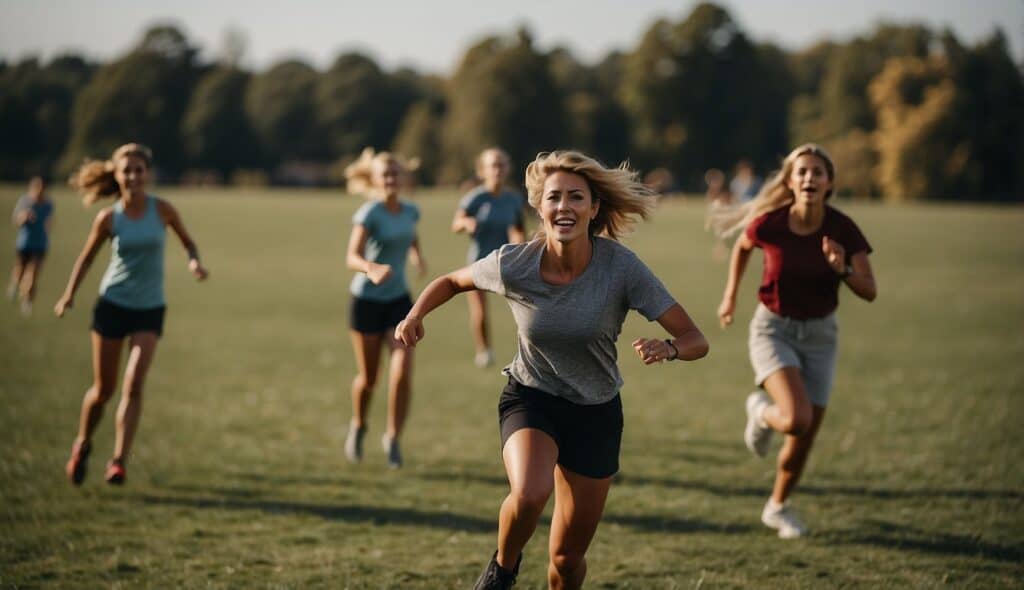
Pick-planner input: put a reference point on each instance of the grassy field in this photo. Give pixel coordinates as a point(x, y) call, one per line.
point(238, 478)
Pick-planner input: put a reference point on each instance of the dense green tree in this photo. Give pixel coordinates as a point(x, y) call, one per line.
point(139, 97)
point(215, 130)
point(280, 106)
point(700, 94)
point(35, 113)
point(501, 94)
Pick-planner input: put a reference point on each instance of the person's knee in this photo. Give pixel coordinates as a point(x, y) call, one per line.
point(566, 562)
point(364, 382)
point(530, 498)
point(102, 390)
point(797, 421)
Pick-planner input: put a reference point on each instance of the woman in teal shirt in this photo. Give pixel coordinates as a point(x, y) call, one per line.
point(131, 303)
point(383, 236)
point(33, 214)
point(493, 216)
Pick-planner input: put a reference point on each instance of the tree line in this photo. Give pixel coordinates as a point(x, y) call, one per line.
point(908, 112)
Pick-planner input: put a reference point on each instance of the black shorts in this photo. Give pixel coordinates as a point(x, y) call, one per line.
point(588, 437)
point(26, 255)
point(377, 317)
point(110, 320)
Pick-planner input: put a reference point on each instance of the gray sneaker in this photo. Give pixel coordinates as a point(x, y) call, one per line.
point(354, 444)
point(784, 520)
point(757, 435)
point(391, 448)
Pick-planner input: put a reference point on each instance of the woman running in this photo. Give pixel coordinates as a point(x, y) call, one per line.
point(33, 216)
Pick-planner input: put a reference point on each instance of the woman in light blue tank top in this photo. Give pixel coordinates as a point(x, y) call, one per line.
point(492, 215)
point(131, 303)
point(33, 216)
point(383, 236)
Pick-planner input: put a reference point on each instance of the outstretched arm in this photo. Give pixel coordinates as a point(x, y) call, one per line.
point(687, 342)
point(737, 265)
point(97, 235)
point(170, 216)
point(440, 290)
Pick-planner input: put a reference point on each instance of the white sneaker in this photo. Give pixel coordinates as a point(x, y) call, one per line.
point(354, 444)
point(484, 359)
point(26, 308)
point(784, 519)
point(394, 453)
point(757, 435)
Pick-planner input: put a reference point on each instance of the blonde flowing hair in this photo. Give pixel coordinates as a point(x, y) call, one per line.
point(623, 198)
point(359, 174)
point(726, 221)
point(95, 179)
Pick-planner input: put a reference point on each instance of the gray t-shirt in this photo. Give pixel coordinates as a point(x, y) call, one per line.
point(567, 333)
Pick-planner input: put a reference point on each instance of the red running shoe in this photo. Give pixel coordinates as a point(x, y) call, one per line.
point(77, 463)
point(115, 473)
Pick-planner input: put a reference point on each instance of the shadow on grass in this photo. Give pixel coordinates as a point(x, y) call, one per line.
point(654, 523)
point(906, 538)
point(463, 477)
point(910, 493)
point(698, 485)
point(347, 513)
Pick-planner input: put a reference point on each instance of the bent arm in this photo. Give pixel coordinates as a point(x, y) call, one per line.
point(99, 233)
point(438, 292)
point(463, 222)
point(171, 217)
point(737, 266)
point(687, 338)
point(862, 281)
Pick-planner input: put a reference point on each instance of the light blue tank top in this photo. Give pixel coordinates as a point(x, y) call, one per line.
point(135, 276)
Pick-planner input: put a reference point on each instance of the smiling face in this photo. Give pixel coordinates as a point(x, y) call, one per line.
point(387, 176)
point(130, 173)
point(493, 169)
point(809, 180)
point(567, 207)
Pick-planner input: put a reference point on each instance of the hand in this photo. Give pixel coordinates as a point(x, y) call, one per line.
point(469, 224)
point(725, 311)
point(197, 269)
point(409, 331)
point(834, 253)
point(378, 273)
point(65, 303)
point(652, 350)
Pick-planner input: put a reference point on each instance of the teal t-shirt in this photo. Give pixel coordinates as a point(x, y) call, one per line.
point(494, 216)
point(389, 236)
point(32, 234)
point(135, 275)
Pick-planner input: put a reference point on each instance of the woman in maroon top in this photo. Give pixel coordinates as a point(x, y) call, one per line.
point(809, 249)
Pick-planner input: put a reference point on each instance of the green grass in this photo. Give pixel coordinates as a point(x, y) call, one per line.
point(238, 480)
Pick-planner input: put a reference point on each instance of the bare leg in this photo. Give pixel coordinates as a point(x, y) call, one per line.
point(530, 457)
point(478, 320)
point(141, 349)
point(16, 273)
point(399, 386)
point(367, 349)
point(793, 458)
point(106, 356)
point(791, 412)
point(28, 279)
point(579, 503)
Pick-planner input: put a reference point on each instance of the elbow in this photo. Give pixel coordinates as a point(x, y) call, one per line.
point(702, 349)
point(697, 349)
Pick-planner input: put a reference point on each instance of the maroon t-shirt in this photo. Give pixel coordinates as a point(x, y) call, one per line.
point(798, 281)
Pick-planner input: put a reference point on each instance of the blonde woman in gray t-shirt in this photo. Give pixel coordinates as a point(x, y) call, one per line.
point(560, 414)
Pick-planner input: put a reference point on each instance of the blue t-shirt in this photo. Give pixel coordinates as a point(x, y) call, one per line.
point(389, 236)
point(135, 276)
point(494, 216)
point(32, 234)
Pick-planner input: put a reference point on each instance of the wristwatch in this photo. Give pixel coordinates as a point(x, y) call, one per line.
point(675, 351)
point(846, 271)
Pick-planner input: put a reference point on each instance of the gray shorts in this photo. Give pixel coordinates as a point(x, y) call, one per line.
point(809, 345)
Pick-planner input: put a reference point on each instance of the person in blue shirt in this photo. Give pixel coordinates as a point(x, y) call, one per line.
point(492, 215)
point(383, 236)
point(131, 302)
point(33, 216)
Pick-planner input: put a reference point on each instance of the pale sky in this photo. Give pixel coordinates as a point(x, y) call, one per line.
point(431, 35)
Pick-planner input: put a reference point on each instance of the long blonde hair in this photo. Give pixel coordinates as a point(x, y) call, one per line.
point(95, 179)
point(727, 220)
point(622, 196)
point(359, 174)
